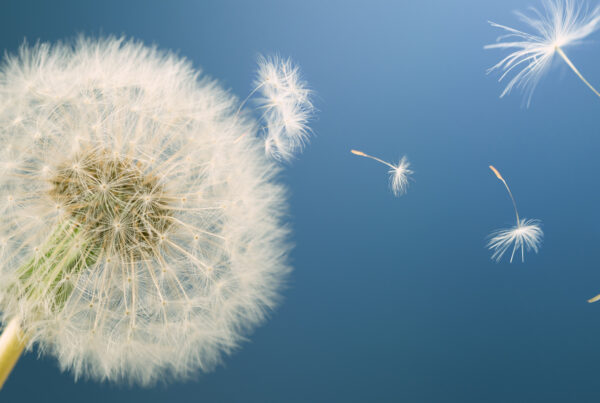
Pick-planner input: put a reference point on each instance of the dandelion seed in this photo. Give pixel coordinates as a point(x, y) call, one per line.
point(121, 259)
point(286, 105)
point(399, 174)
point(524, 236)
point(596, 298)
point(562, 23)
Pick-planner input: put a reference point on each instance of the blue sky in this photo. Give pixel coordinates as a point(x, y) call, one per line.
point(391, 299)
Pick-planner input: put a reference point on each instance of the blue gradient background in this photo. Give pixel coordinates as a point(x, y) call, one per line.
point(391, 300)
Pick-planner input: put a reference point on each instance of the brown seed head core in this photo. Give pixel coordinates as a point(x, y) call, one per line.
point(116, 205)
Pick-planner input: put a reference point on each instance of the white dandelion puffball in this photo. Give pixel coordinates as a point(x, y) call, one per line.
point(141, 233)
point(561, 23)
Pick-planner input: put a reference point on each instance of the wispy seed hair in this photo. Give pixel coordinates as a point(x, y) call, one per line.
point(286, 106)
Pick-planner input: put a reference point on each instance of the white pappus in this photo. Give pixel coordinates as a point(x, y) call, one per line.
point(561, 23)
point(286, 104)
point(524, 236)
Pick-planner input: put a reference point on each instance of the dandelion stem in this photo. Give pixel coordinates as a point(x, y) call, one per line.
point(60, 256)
point(360, 153)
point(572, 66)
point(237, 113)
point(509, 193)
point(12, 344)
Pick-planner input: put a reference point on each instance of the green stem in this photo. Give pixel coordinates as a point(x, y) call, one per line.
point(12, 344)
point(64, 253)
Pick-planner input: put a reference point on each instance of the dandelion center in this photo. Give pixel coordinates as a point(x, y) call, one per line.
point(114, 201)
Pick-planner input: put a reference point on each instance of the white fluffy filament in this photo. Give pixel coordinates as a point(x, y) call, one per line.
point(560, 24)
point(399, 174)
point(286, 106)
point(524, 236)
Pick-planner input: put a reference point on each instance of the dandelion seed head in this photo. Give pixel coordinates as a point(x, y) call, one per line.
point(108, 199)
point(286, 107)
point(139, 240)
point(525, 236)
point(561, 23)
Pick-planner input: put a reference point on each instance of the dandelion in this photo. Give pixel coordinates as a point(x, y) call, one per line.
point(562, 23)
point(525, 235)
point(138, 239)
point(399, 174)
point(286, 104)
